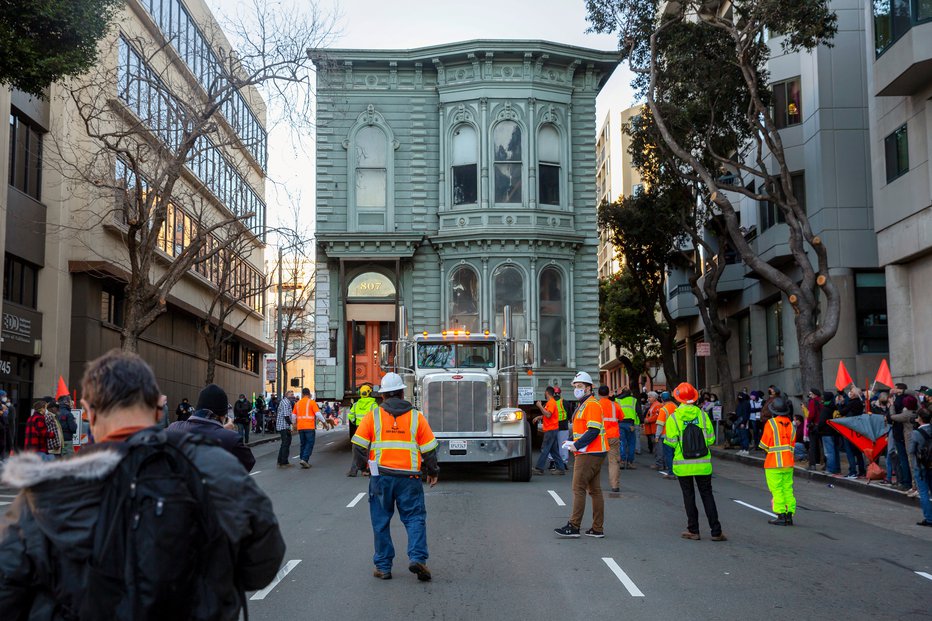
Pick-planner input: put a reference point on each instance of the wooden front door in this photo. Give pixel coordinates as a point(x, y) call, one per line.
point(364, 351)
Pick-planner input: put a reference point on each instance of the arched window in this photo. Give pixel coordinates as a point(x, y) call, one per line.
point(371, 168)
point(464, 298)
point(509, 291)
point(506, 142)
point(552, 318)
point(465, 174)
point(548, 165)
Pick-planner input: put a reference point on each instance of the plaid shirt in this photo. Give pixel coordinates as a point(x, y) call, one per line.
point(283, 418)
point(36, 434)
point(54, 438)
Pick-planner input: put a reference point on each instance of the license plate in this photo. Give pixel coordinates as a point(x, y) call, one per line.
point(457, 445)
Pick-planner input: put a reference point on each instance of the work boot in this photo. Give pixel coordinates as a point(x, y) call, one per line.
point(719, 537)
point(382, 575)
point(423, 574)
point(789, 519)
point(689, 535)
point(537, 471)
point(780, 520)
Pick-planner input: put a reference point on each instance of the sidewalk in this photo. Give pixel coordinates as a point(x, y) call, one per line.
point(872, 488)
point(265, 438)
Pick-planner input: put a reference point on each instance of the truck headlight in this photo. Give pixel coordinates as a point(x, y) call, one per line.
point(509, 416)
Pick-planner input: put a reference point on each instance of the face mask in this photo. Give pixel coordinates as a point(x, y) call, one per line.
point(579, 393)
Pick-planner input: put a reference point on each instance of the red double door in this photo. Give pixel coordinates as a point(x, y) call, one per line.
point(363, 348)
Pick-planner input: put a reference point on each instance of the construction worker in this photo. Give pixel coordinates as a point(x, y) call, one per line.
point(589, 446)
point(563, 425)
point(610, 412)
point(777, 442)
point(626, 424)
point(395, 440)
point(357, 413)
point(550, 446)
point(305, 411)
point(690, 433)
point(665, 453)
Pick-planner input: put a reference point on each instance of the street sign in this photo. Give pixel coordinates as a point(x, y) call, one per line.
point(703, 349)
point(525, 395)
point(717, 413)
point(271, 370)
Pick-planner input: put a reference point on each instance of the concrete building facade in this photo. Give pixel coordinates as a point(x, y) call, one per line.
point(457, 179)
point(899, 87)
point(821, 105)
point(64, 278)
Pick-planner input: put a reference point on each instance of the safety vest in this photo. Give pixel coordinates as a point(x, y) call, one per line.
point(396, 443)
point(629, 408)
point(305, 411)
point(610, 417)
point(650, 422)
point(360, 409)
point(589, 416)
point(561, 409)
point(676, 423)
point(778, 442)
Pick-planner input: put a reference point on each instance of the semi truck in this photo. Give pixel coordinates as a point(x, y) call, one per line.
point(466, 384)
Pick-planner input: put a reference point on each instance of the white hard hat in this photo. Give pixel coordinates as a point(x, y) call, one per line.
point(391, 382)
point(583, 377)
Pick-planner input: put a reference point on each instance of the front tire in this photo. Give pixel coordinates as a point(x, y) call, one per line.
point(519, 468)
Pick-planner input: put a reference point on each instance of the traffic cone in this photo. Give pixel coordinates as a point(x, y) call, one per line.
point(62, 388)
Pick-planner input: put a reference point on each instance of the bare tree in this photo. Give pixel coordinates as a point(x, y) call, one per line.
point(297, 309)
point(170, 146)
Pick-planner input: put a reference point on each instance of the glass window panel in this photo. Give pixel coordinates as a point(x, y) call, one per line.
point(506, 139)
point(774, 317)
point(465, 145)
point(464, 299)
point(552, 319)
point(744, 346)
point(794, 102)
point(902, 20)
point(549, 182)
point(548, 145)
point(371, 187)
point(508, 284)
point(508, 183)
point(871, 312)
point(883, 25)
point(371, 148)
point(923, 10)
point(896, 153)
point(465, 184)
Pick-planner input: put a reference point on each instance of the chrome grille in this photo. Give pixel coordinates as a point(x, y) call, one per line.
point(458, 406)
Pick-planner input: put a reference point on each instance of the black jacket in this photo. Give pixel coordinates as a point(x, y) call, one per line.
point(47, 534)
point(742, 412)
point(241, 411)
point(226, 438)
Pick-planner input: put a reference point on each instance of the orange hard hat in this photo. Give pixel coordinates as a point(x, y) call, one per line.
point(685, 393)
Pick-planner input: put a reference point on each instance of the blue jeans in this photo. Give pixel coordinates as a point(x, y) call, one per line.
point(830, 448)
point(626, 427)
point(855, 459)
point(923, 479)
point(243, 429)
point(551, 447)
point(904, 476)
point(385, 493)
point(744, 437)
point(307, 442)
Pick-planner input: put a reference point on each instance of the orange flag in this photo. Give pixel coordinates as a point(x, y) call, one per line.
point(62, 388)
point(883, 375)
point(843, 378)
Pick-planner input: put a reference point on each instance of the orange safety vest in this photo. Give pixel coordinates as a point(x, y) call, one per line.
point(610, 417)
point(589, 416)
point(396, 443)
point(650, 421)
point(665, 410)
point(305, 411)
point(778, 442)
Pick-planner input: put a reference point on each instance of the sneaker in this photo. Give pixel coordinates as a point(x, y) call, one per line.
point(568, 531)
point(851, 476)
point(720, 537)
point(304, 464)
point(537, 471)
point(382, 575)
point(423, 574)
point(631, 466)
point(595, 533)
point(912, 493)
point(669, 476)
point(924, 523)
point(689, 535)
point(616, 489)
point(284, 465)
point(558, 472)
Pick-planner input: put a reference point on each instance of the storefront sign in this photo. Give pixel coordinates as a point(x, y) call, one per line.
point(22, 329)
point(271, 370)
point(370, 285)
point(703, 349)
point(16, 328)
point(525, 395)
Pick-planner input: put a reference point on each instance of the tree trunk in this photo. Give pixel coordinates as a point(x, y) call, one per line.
point(810, 357)
point(628, 365)
point(211, 369)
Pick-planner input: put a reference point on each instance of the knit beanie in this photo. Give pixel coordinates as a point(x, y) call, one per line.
point(213, 398)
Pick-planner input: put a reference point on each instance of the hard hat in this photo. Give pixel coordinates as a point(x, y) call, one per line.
point(685, 393)
point(391, 382)
point(583, 377)
point(365, 391)
point(557, 390)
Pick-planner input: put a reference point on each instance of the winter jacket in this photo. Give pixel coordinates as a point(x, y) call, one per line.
point(47, 534)
point(226, 438)
point(69, 426)
point(854, 407)
point(742, 412)
point(241, 411)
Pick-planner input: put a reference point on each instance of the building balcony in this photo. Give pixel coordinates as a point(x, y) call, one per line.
point(905, 68)
point(681, 302)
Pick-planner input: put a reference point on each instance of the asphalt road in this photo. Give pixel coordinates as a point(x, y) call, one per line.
point(494, 554)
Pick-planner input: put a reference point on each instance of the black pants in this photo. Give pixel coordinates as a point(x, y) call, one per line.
point(704, 483)
point(815, 447)
point(285, 449)
point(650, 444)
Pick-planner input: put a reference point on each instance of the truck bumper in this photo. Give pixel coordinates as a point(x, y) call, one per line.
point(481, 450)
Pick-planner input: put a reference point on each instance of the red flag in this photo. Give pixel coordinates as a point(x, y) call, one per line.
point(843, 378)
point(62, 388)
point(883, 375)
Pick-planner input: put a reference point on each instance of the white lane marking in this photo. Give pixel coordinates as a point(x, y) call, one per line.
point(252, 474)
point(329, 443)
point(623, 577)
point(556, 498)
point(925, 575)
point(755, 508)
point(356, 500)
point(5, 503)
point(7, 495)
point(278, 578)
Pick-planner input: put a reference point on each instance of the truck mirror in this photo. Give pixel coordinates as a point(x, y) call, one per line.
point(528, 354)
point(385, 354)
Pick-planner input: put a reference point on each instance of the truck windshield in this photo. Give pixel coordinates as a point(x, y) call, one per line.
point(456, 355)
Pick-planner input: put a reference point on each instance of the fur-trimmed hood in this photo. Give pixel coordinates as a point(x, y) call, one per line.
point(28, 469)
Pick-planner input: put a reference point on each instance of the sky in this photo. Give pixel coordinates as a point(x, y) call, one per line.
point(417, 23)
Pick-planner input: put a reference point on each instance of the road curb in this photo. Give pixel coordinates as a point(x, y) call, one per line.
point(273, 438)
point(875, 490)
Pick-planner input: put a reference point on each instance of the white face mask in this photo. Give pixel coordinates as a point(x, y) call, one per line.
point(579, 393)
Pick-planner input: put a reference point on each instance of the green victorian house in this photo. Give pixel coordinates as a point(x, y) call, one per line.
point(454, 180)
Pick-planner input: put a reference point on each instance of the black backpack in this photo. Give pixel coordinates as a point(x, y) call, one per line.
point(924, 455)
point(157, 541)
point(693, 440)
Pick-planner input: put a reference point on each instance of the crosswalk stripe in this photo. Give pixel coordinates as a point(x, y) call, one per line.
point(623, 577)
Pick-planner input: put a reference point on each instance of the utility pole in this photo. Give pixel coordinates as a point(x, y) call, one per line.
point(278, 330)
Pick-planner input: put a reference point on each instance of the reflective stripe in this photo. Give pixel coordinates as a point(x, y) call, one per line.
point(778, 448)
point(389, 444)
point(673, 438)
point(429, 446)
point(685, 462)
point(594, 424)
point(360, 441)
point(378, 432)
